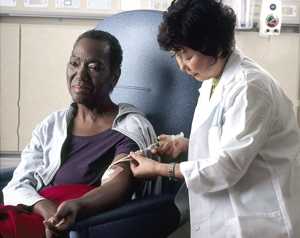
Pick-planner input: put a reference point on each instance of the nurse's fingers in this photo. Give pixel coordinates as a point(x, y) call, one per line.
point(164, 137)
point(136, 159)
point(164, 149)
point(137, 156)
point(157, 150)
point(135, 162)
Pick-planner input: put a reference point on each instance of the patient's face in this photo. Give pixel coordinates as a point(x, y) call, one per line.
point(89, 74)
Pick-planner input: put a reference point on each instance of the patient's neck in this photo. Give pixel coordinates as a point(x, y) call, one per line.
point(89, 122)
point(101, 110)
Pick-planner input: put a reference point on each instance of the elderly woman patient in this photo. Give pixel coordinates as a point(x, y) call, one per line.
point(59, 176)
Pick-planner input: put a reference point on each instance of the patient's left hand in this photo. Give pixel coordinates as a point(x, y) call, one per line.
point(64, 217)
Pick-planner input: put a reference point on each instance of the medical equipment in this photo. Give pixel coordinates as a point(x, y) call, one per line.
point(145, 152)
point(111, 171)
point(270, 17)
point(244, 11)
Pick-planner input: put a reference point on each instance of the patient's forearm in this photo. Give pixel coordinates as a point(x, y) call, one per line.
point(107, 195)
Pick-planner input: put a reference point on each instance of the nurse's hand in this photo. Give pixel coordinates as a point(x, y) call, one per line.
point(143, 167)
point(172, 146)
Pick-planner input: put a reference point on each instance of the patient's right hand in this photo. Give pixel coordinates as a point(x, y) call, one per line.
point(171, 146)
point(46, 209)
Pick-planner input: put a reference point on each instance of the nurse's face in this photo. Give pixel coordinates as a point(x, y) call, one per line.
point(199, 66)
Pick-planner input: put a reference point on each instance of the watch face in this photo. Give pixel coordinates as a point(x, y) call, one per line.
point(272, 20)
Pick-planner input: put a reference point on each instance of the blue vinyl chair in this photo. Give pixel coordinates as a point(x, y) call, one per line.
point(151, 81)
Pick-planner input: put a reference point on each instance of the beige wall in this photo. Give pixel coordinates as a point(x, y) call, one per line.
point(9, 83)
point(33, 58)
point(44, 54)
point(278, 55)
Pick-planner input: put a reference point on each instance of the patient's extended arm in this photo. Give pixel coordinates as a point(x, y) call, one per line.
point(116, 189)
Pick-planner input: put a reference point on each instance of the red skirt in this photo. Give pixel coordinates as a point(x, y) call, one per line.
point(15, 222)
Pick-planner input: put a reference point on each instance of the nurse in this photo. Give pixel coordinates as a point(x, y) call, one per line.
point(243, 168)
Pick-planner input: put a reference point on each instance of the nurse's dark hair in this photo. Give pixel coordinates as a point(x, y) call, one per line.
point(206, 26)
point(116, 53)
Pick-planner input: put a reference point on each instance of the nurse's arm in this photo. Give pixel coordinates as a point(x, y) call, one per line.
point(142, 167)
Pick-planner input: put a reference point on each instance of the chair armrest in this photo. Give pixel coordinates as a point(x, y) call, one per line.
point(153, 216)
point(5, 176)
point(132, 208)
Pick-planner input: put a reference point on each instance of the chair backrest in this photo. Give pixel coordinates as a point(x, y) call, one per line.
point(150, 78)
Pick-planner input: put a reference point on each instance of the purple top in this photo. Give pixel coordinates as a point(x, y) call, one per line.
point(89, 156)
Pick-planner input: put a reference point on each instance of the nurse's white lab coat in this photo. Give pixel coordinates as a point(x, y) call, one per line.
point(243, 173)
